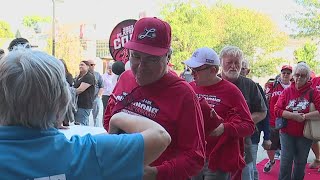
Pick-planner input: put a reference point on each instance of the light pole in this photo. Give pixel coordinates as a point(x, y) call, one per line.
point(53, 27)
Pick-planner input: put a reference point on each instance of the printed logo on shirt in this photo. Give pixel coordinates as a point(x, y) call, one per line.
point(121, 96)
point(55, 177)
point(297, 106)
point(145, 107)
point(318, 88)
point(211, 99)
point(276, 93)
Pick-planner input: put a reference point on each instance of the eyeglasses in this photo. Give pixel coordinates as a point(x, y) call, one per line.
point(136, 59)
point(195, 70)
point(92, 64)
point(288, 73)
point(300, 75)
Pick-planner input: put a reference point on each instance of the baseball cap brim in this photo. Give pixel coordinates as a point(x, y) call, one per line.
point(286, 69)
point(155, 51)
point(193, 63)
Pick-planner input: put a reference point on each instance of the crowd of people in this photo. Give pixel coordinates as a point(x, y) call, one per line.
point(203, 126)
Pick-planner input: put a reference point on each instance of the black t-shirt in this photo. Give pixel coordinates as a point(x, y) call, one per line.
point(255, 103)
point(251, 94)
point(86, 98)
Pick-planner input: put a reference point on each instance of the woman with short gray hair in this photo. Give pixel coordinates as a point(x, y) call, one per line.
point(293, 106)
point(32, 93)
point(34, 96)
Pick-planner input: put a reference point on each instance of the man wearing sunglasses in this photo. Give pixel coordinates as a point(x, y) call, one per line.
point(224, 154)
point(97, 110)
point(19, 42)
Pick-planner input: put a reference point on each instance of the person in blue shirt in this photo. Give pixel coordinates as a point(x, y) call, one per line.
point(34, 96)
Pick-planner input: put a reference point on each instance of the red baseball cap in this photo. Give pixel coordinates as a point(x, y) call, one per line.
point(286, 67)
point(151, 36)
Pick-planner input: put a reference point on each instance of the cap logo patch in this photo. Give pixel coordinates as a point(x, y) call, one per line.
point(210, 61)
point(148, 33)
point(195, 54)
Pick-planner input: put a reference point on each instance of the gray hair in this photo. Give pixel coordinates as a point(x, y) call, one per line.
point(302, 66)
point(231, 51)
point(246, 62)
point(33, 89)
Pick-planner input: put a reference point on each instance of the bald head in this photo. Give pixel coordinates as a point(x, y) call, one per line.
point(92, 64)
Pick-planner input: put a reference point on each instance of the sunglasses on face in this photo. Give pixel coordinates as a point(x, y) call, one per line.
point(92, 64)
point(284, 73)
point(196, 70)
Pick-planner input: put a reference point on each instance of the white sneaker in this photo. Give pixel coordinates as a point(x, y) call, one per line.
point(268, 166)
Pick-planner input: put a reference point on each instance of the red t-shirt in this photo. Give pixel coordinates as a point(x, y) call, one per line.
point(225, 152)
point(174, 106)
point(292, 100)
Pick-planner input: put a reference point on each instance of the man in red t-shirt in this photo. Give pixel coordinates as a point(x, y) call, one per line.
point(149, 90)
point(224, 150)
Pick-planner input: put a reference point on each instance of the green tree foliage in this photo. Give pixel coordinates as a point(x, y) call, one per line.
point(266, 66)
point(306, 21)
point(307, 53)
point(31, 21)
point(196, 25)
point(68, 48)
point(5, 32)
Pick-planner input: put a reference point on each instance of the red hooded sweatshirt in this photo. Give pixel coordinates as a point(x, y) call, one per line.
point(273, 93)
point(226, 152)
point(316, 83)
point(299, 99)
point(172, 103)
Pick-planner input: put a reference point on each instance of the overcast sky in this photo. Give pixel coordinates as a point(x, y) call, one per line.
point(107, 14)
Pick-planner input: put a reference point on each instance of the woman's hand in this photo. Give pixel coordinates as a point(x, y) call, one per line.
point(299, 117)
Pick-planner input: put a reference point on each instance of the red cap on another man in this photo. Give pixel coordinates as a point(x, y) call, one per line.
point(286, 67)
point(151, 36)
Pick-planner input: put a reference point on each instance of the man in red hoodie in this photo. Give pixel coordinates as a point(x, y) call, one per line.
point(224, 150)
point(149, 90)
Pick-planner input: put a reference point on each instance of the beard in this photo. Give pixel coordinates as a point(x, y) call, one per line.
point(231, 75)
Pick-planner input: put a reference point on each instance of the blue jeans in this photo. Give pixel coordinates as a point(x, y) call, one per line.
point(82, 116)
point(254, 151)
point(207, 174)
point(97, 112)
point(248, 172)
point(294, 150)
